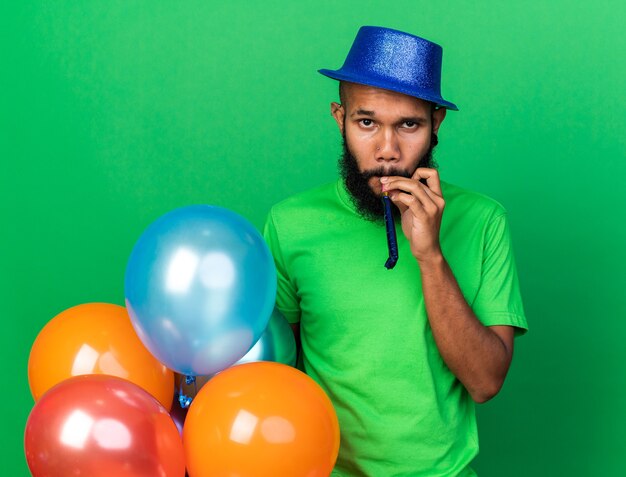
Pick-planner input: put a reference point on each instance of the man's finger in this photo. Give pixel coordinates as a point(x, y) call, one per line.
point(438, 200)
point(428, 198)
point(408, 201)
point(432, 178)
point(402, 207)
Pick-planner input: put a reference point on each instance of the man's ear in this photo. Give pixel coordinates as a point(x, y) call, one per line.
point(338, 112)
point(438, 117)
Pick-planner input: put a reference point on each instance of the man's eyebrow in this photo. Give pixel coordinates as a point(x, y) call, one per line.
point(371, 114)
point(415, 119)
point(363, 112)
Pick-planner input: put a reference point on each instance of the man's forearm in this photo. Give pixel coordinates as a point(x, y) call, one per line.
point(474, 353)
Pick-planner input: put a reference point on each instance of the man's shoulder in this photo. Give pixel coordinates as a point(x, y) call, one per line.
point(319, 197)
point(465, 201)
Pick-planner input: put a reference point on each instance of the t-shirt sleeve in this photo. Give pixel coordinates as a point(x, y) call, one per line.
point(286, 297)
point(498, 301)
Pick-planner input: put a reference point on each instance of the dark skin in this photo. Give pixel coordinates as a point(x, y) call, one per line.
point(479, 356)
point(391, 129)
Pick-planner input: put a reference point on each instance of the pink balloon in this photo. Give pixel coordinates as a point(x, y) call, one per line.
point(102, 426)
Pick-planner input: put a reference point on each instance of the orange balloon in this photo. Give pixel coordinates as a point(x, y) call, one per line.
point(261, 419)
point(95, 338)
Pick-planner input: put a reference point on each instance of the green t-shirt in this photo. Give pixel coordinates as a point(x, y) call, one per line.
point(365, 333)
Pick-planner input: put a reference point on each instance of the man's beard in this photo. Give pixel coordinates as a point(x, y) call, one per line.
point(366, 202)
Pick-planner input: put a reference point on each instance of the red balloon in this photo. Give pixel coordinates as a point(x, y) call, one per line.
point(102, 426)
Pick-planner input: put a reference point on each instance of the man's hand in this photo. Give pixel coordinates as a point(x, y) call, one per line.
point(479, 356)
point(421, 207)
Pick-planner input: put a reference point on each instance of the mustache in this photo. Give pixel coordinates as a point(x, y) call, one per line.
point(368, 204)
point(385, 171)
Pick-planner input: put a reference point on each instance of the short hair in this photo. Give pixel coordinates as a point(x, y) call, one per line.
point(342, 94)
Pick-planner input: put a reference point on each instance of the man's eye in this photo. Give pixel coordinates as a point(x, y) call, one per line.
point(410, 124)
point(366, 122)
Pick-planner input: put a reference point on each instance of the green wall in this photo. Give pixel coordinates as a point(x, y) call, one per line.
point(115, 112)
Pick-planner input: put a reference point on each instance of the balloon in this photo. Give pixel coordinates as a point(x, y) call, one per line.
point(277, 344)
point(200, 286)
point(178, 415)
point(95, 338)
point(102, 426)
point(261, 419)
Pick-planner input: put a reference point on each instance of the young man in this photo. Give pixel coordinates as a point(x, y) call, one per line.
point(402, 353)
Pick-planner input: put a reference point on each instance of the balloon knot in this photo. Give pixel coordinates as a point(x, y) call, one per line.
point(189, 380)
point(184, 401)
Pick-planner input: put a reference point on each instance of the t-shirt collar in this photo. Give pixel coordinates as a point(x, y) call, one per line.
point(344, 196)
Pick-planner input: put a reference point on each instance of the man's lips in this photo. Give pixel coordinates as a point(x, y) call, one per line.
point(375, 185)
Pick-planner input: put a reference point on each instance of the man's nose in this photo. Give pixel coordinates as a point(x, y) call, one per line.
point(387, 147)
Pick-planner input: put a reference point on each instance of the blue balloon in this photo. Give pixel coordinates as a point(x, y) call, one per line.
point(200, 287)
point(277, 343)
